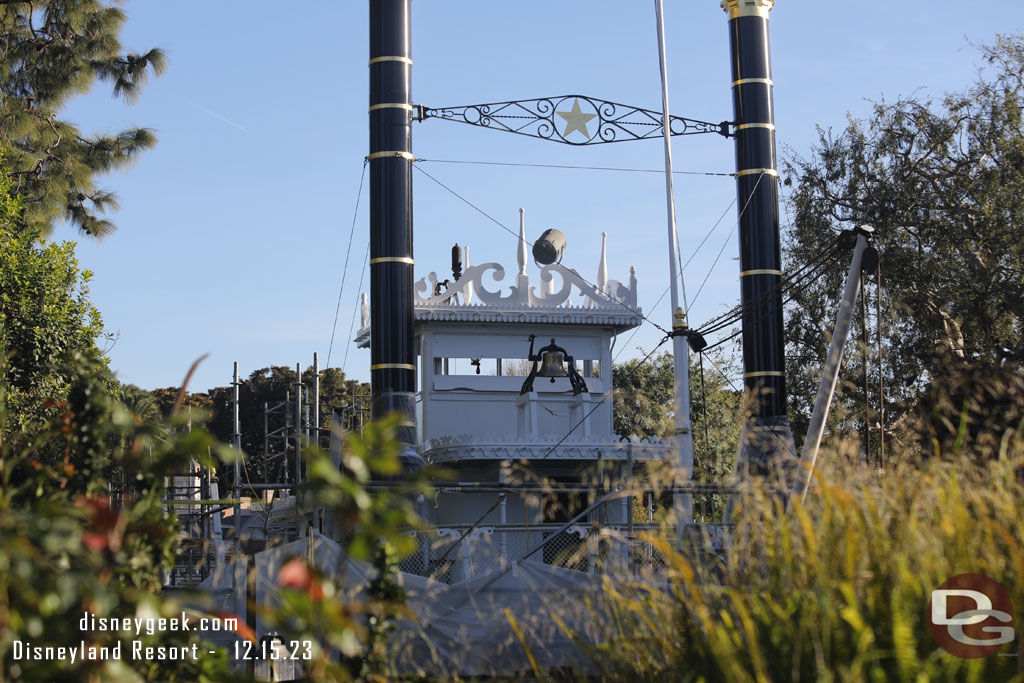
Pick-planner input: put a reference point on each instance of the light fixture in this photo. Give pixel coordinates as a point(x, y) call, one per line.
point(552, 359)
point(456, 262)
point(549, 247)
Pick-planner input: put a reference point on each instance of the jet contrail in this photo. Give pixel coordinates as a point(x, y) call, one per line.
point(218, 116)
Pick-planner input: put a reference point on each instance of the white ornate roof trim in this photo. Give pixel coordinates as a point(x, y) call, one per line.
point(532, 447)
point(613, 297)
point(494, 314)
point(478, 313)
point(609, 303)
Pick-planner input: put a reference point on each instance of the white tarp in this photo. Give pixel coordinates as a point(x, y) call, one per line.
point(464, 629)
point(467, 628)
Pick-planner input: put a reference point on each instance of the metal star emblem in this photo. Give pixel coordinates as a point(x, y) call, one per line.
point(575, 120)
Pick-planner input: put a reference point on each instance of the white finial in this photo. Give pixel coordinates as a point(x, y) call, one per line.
point(602, 267)
point(467, 292)
point(521, 256)
point(365, 311)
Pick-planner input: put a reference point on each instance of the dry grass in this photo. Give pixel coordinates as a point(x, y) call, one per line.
point(835, 589)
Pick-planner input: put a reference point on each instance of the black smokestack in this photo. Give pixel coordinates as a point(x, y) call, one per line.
point(392, 343)
point(757, 177)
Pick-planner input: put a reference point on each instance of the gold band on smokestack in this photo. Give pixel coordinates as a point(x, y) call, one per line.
point(747, 8)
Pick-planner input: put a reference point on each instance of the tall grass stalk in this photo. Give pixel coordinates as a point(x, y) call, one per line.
point(835, 589)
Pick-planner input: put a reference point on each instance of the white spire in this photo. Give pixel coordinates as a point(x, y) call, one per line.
point(521, 256)
point(602, 267)
point(468, 291)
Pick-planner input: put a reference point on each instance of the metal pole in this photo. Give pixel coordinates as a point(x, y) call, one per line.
point(503, 511)
point(286, 411)
point(392, 342)
point(316, 422)
point(881, 376)
point(864, 361)
point(236, 437)
point(297, 431)
point(830, 373)
point(266, 445)
point(316, 398)
point(766, 433)
point(632, 495)
point(298, 446)
point(682, 430)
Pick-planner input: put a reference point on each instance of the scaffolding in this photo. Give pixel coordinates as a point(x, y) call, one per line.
point(268, 509)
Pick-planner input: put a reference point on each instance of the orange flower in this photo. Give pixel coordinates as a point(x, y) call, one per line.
point(104, 520)
point(296, 574)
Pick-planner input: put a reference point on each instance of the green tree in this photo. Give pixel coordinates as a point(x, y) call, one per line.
point(643, 396)
point(271, 385)
point(50, 52)
point(268, 386)
point(46, 319)
point(165, 399)
point(644, 401)
point(68, 544)
point(942, 182)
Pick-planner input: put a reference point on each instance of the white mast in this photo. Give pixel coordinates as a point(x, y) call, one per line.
point(683, 431)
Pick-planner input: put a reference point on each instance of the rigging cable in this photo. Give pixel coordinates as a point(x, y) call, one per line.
point(516, 235)
point(564, 166)
point(692, 256)
point(710, 232)
point(788, 287)
point(344, 271)
point(794, 280)
point(704, 401)
point(720, 251)
point(351, 325)
point(604, 397)
point(787, 290)
point(777, 438)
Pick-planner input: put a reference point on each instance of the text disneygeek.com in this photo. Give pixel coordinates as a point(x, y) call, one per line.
point(135, 649)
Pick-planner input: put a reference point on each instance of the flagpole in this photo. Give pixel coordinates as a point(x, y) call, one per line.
point(682, 428)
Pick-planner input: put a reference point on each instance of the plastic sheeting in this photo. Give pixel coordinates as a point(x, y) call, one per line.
point(496, 623)
point(493, 624)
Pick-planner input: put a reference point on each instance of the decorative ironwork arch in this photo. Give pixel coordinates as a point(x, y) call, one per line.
point(587, 121)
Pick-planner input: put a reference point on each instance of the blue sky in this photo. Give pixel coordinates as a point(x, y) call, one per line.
point(233, 231)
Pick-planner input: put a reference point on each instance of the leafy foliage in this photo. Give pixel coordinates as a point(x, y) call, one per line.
point(942, 181)
point(644, 396)
point(970, 408)
point(644, 400)
point(50, 52)
point(104, 552)
point(46, 319)
point(835, 589)
point(67, 547)
point(315, 607)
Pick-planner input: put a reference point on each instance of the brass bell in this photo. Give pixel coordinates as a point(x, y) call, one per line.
point(552, 364)
point(552, 359)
